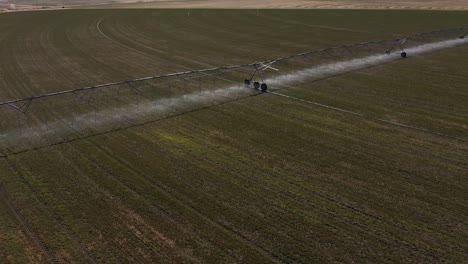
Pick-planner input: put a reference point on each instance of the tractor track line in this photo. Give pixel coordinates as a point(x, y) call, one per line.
point(91, 259)
point(154, 208)
point(97, 185)
point(414, 248)
point(394, 242)
point(340, 203)
point(117, 217)
point(27, 229)
point(182, 201)
point(255, 246)
point(369, 117)
point(98, 27)
point(373, 142)
point(71, 236)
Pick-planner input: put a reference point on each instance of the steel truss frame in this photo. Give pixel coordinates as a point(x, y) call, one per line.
point(22, 105)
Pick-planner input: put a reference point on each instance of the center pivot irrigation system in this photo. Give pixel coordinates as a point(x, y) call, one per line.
point(52, 118)
point(395, 46)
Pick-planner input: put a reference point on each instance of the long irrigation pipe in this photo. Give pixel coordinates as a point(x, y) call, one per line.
point(27, 100)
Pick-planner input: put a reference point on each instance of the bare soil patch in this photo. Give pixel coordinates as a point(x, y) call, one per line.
point(19, 8)
point(302, 4)
point(27, 5)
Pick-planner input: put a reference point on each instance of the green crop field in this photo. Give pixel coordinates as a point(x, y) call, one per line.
point(262, 179)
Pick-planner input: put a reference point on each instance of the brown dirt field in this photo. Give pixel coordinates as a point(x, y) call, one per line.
point(6, 8)
point(26, 5)
point(303, 4)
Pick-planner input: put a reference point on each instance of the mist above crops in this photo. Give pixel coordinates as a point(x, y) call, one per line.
point(132, 114)
point(359, 63)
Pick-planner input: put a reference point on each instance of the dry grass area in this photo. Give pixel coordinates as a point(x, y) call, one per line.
point(246, 4)
point(301, 4)
point(25, 7)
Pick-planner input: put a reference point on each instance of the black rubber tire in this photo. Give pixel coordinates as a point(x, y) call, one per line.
point(264, 87)
point(256, 85)
point(403, 54)
point(247, 82)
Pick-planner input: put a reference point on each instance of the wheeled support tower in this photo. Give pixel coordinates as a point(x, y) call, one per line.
point(257, 85)
point(398, 45)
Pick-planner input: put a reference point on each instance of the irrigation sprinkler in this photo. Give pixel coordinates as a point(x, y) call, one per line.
point(259, 69)
point(462, 36)
point(399, 45)
point(102, 108)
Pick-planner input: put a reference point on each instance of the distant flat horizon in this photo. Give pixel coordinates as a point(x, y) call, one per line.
point(240, 4)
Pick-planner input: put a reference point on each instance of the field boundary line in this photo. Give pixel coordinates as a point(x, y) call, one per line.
point(369, 117)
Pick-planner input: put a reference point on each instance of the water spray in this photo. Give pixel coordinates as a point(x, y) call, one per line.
point(22, 123)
